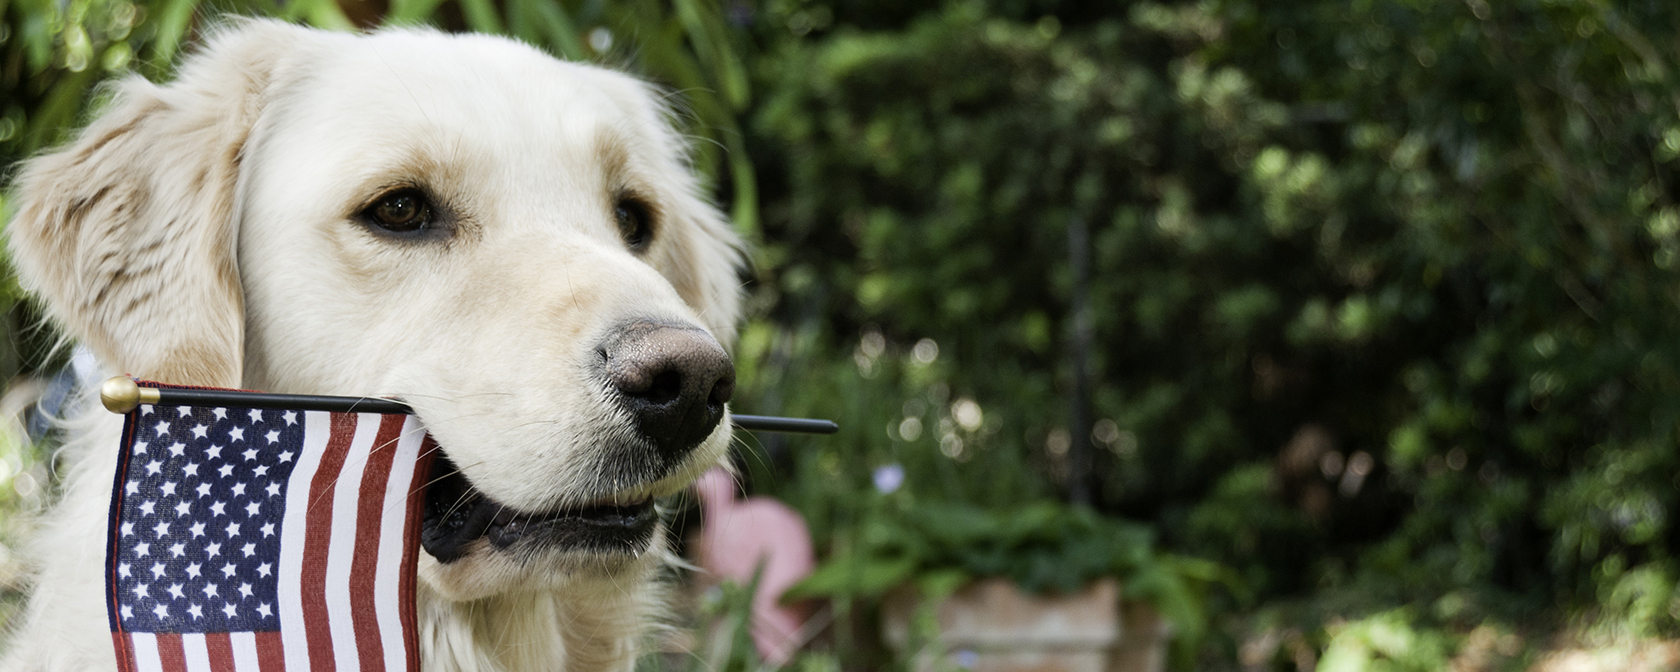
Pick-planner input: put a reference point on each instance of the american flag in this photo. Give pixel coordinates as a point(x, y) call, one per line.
point(247, 540)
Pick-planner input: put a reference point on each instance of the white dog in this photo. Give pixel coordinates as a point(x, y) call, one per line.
point(513, 244)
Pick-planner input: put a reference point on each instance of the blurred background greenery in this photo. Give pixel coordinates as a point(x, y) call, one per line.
point(1382, 292)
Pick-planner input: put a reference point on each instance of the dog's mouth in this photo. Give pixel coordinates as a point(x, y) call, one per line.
point(457, 515)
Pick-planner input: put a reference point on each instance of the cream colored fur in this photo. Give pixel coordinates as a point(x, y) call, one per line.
point(203, 232)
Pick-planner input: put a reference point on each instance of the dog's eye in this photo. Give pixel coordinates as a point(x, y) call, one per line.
point(635, 223)
point(401, 211)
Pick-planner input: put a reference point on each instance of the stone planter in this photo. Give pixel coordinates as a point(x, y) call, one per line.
point(990, 626)
point(1143, 642)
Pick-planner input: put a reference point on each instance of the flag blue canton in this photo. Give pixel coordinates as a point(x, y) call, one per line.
point(198, 540)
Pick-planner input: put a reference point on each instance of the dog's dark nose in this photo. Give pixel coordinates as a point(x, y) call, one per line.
point(673, 379)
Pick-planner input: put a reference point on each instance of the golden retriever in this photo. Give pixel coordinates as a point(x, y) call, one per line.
point(513, 244)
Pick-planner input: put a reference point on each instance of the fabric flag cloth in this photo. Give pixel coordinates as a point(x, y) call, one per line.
point(246, 540)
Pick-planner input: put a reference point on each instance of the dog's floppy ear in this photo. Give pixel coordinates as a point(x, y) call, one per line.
point(128, 232)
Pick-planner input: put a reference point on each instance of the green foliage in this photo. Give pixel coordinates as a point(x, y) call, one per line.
point(935, 548)
point(1386, 641)
point(1442, 234)
point(726, 618)
point(1041, 547)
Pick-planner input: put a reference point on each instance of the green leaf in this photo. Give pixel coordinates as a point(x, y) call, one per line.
point(409, 12)
point(481, 16)
point(562, 32)
point(173, 19)
point(852, 577)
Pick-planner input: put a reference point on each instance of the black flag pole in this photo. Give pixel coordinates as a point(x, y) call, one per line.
point(121, 394)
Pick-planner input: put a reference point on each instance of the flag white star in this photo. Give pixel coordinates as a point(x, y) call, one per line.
point(251, 454)
point(220, 413)
point(161, 611)
point(142, 550)
point(200, 431)
point(250, 550)
point(153, 467)
point(146, 507)
point(214, 452)
point(228, 570)
point(193, 570)
point(162, 427)
point(203, 489)
point(286, 456)
point(191, 469)
point(140, 447)
point(261, 471)
point(251, 509)
point(140, 590)
point(273, 436)
point(185, 410)
point(273, 489)
point(232, 530)
point(132, 488)
point(226, 470)
point(218, 509)
point(245, 590)
point(264, 610)
point(239, 489)
point(178, 549)
point(128, 529)
point(209, 590)
point(168, 488)
point(256, 415)
point(127, 611)
point(157, 570)
point(196, 612)
point(291, 417)
point(228, 609)
point(122, 570)
point(175, 591)
point(236, 434)
point(177, 449)
point(265, 569)
point(146, 409)
point(198, 529)
point(181, 509)
point(161, 528)
point(268, 529)
point(213, 550)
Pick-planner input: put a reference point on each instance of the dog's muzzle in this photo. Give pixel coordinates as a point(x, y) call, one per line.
point(672, 382)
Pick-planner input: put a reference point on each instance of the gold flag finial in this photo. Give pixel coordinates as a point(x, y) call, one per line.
point(121, 395)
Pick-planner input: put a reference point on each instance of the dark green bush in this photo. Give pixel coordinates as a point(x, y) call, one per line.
point(1384, 292)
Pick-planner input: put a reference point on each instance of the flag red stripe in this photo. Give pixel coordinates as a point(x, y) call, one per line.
point(171, 654)
point(125, 652)
point(411, 548)
point(317, 539)
point(370, 507)
point(271, 654)
point(220, 647)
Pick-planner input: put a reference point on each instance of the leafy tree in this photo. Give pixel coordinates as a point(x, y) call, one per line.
point(1384, 291)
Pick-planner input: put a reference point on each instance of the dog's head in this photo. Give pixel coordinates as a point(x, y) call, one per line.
point(513, 244)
